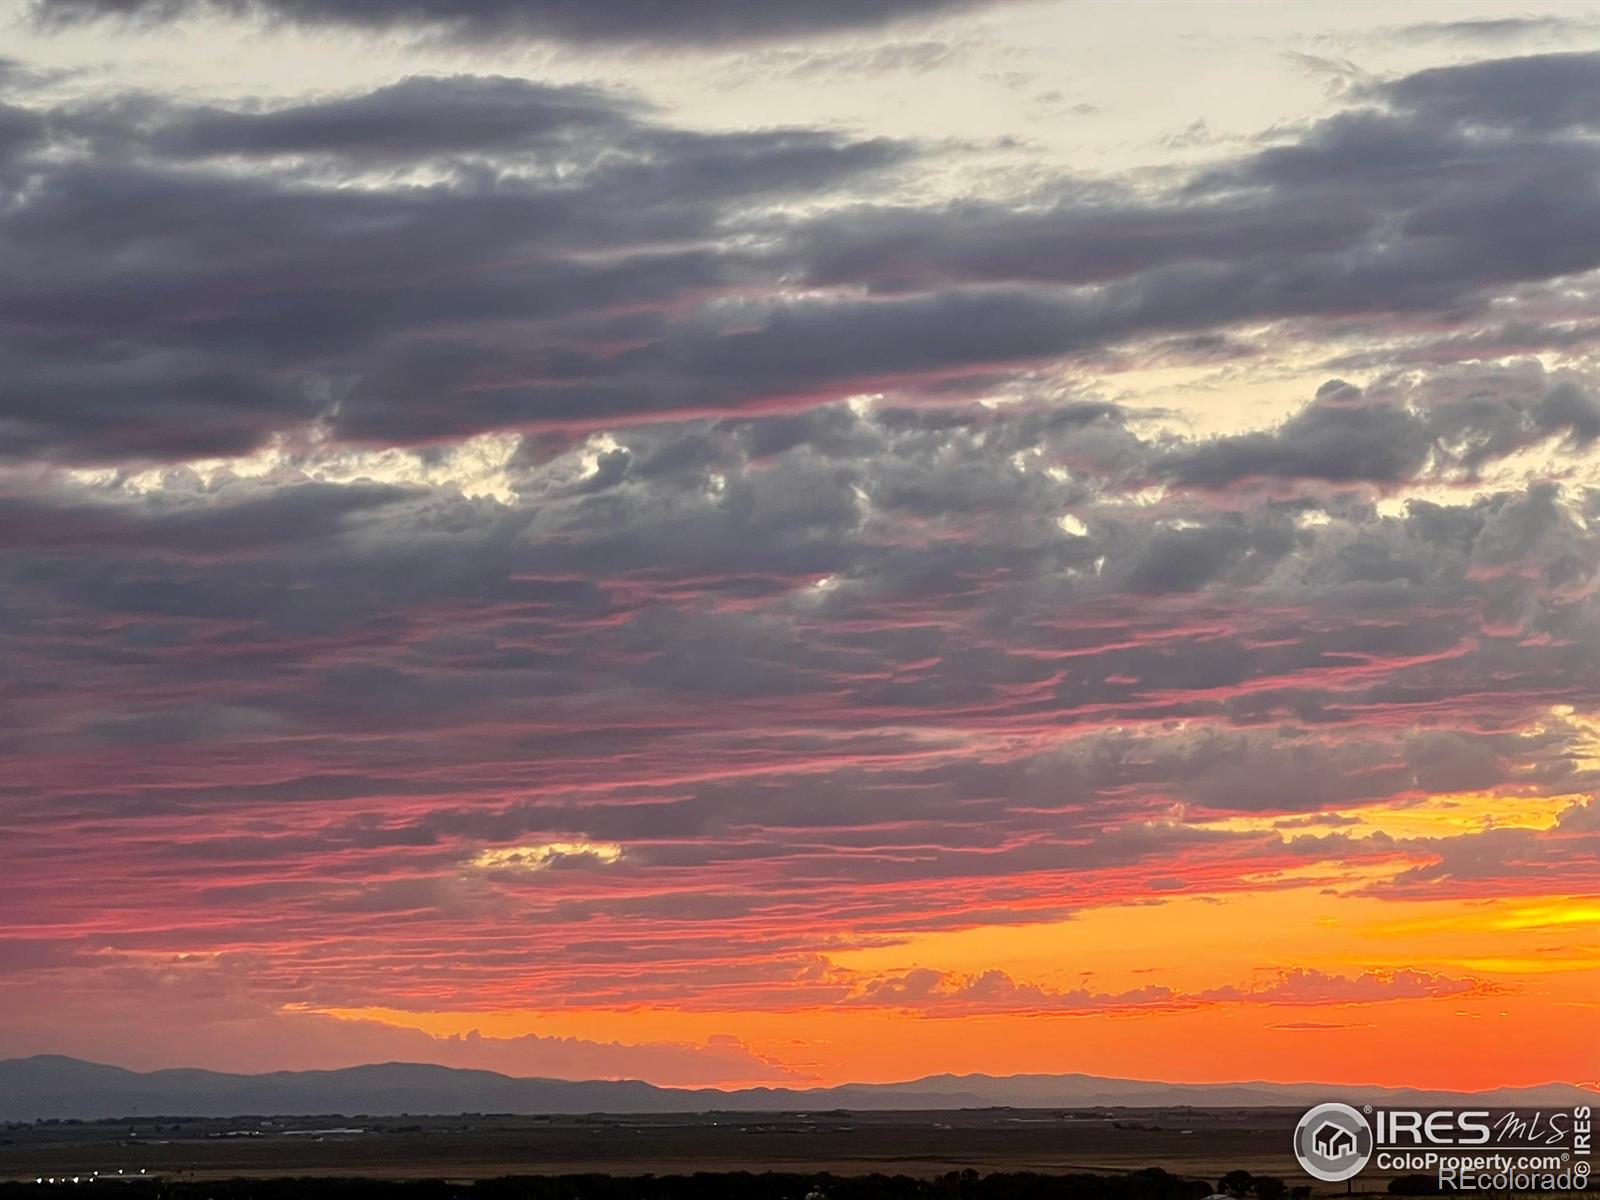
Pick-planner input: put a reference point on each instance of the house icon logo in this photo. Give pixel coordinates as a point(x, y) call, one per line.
point(1333, 1142)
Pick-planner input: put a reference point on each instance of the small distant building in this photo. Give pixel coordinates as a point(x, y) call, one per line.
point(1332, 1141)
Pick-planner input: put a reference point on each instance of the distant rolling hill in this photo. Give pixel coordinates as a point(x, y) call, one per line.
point(48, 1085)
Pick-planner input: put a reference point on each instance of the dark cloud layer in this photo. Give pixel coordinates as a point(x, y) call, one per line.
point(1343, 437)
point(236, 305)
point(415, 119)
point(569, 260)
point(684, 22)
point(1550, 93)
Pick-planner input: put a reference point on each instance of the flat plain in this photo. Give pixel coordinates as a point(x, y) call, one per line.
point(1197, 1143)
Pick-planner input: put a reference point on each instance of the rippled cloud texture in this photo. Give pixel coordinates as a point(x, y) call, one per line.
point(596, 539)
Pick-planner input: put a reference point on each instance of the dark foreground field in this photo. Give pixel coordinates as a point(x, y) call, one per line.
point(1192, 1144)
point(959, 1185)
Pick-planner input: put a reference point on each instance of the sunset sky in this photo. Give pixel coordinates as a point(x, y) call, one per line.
point(745, 541)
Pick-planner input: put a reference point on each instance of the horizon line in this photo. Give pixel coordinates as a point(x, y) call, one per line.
point(1592, 1086)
